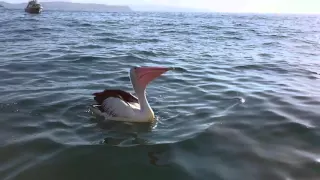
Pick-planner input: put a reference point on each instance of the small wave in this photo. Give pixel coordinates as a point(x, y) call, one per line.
point(22, 31)
point(168, 24)
point(131, 57)
point(66, 57)
point(237, 38)
point(231, 33)
point(89, 46)
point(230, 38)
point(211, 27)
point(252, 30)
point(168, 32)
point(240, 25)
point(86, 24)
point(180, 69)
point(271, 44)
point(28, 20)
point(9, 40)
point(109, 39)
point(150, 53)
point(5, 22)
point(265, 55)
point(102, 34)
point(87, 59)
point(187, 32)
point(278, 36)
point(49, 29)
point(73, 23)
point(151, 40)
point(262, 67)
point(108, 22)
point(145, 53)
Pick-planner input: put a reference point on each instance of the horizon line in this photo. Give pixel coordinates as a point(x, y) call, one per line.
point(187, 9)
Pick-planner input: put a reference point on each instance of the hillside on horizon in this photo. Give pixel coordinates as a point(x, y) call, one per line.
point(67, 5)
point(70, 6)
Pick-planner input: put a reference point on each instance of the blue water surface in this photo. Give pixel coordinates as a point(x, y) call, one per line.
point(243, 103)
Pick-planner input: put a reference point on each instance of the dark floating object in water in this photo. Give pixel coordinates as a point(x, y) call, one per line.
point(33, 7)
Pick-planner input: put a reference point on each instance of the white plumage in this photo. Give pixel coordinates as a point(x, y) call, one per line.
point(119, 105)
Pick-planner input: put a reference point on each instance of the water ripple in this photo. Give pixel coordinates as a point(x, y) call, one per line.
point(243, 100)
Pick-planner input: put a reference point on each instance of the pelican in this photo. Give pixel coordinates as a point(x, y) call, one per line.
point(118, 105)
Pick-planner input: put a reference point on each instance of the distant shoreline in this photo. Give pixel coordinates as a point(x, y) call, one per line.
point(92, 7)
point(69, 6)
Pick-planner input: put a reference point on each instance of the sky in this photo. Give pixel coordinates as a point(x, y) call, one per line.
point(251, 6)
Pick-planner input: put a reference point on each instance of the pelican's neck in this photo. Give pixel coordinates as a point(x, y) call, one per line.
point(145, 108)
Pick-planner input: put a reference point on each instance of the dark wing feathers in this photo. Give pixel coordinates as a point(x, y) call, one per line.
point(101, 96)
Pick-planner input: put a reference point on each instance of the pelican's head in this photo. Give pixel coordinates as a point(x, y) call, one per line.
point(142, 76)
